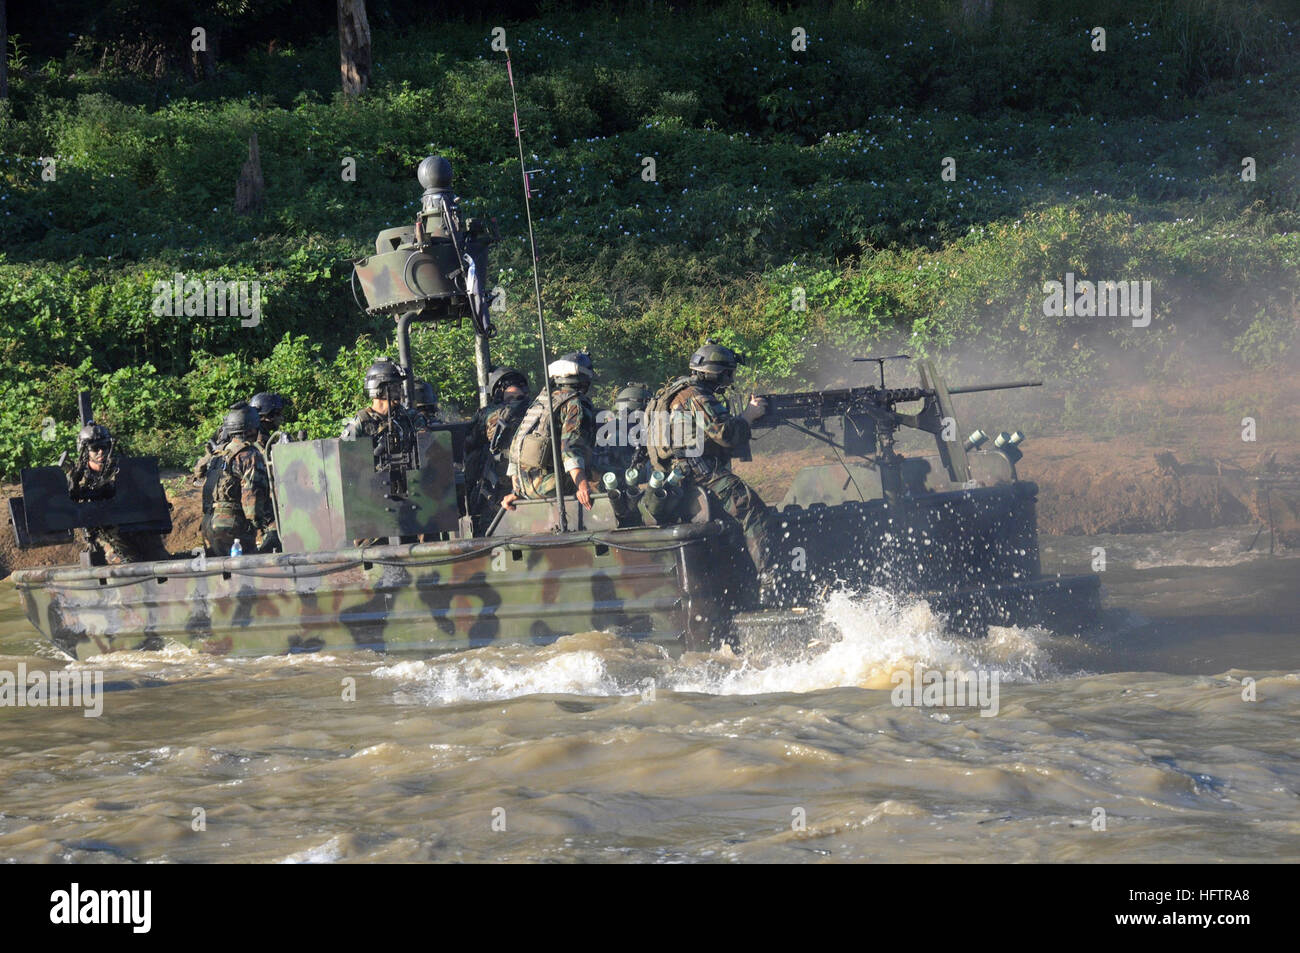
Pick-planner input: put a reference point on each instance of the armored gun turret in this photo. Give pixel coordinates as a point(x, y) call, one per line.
point(432, 270)
point(963, 534)
point(434, 267)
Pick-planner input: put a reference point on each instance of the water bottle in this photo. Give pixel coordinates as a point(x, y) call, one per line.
point(237, 548)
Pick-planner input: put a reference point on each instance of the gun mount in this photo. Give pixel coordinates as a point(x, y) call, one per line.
point(131, 500)
point(870, 419)
point(434, 266)
point(328, 493)
point(432, 270)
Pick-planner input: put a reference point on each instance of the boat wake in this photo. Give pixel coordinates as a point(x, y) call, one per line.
point(864, 639)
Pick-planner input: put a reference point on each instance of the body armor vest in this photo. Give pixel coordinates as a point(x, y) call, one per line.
point(531, 447)
point(658, 433)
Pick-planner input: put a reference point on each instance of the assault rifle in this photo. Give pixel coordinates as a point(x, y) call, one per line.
point(483, 473)
point(870, 418)
point(392, 456)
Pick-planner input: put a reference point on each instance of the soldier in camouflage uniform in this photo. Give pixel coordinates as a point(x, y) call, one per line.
point(487, 443)
point(425, 413)
point(532, 467)
point(389, 425)
point(237, 490)
point(620, 442)
point(93, 477)
point(270, 409)
point(690, 426)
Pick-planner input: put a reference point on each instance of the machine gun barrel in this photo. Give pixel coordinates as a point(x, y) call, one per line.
point(814, 404)
point(976, 388)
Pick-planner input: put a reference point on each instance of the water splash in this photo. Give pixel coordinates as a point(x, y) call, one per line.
point(327, 853)
point(574, 665)
point(864, 639)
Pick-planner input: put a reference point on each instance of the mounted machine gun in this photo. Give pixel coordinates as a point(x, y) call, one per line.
point(870, 420)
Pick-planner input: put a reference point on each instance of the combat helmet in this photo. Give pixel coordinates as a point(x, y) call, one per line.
point(503, 378)
point(635, 396)
point(270, 408)
point(384, 380)
point(425, 395)
point(713, 362)
point(94, 436)
point(573, 370)
point(242, 420)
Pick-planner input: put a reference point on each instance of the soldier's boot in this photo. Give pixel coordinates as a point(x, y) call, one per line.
point(772, 586)
point(782, 579)
point(773, 581)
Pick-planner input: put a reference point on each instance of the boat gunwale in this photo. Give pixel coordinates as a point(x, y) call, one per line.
point(400, 554)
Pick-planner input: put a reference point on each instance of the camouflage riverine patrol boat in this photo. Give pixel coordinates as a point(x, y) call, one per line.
point(961, 534)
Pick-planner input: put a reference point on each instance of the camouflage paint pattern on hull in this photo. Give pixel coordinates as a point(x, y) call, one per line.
point(972, 552)
point(421, 597)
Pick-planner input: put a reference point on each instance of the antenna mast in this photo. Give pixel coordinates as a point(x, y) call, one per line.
point(541, 319)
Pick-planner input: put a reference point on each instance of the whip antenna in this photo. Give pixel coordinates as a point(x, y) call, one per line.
point(541, 319)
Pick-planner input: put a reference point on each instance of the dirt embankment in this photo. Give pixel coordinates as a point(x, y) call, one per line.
point(1085, 487)
point(1173, 459)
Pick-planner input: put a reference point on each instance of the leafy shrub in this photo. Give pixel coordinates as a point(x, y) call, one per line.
point(776, 170)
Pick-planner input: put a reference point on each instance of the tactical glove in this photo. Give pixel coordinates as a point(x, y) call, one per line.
point(757, 408)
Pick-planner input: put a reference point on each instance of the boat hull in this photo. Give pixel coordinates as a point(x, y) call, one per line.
point(421, 597)
point(972, 553)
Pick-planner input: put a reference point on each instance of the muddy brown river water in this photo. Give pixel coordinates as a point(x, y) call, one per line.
point(1171, 734)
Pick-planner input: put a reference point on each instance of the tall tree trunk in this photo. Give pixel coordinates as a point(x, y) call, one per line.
point(354, 46)
point(250, 187)
point(208, 56)
point(4, 52)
